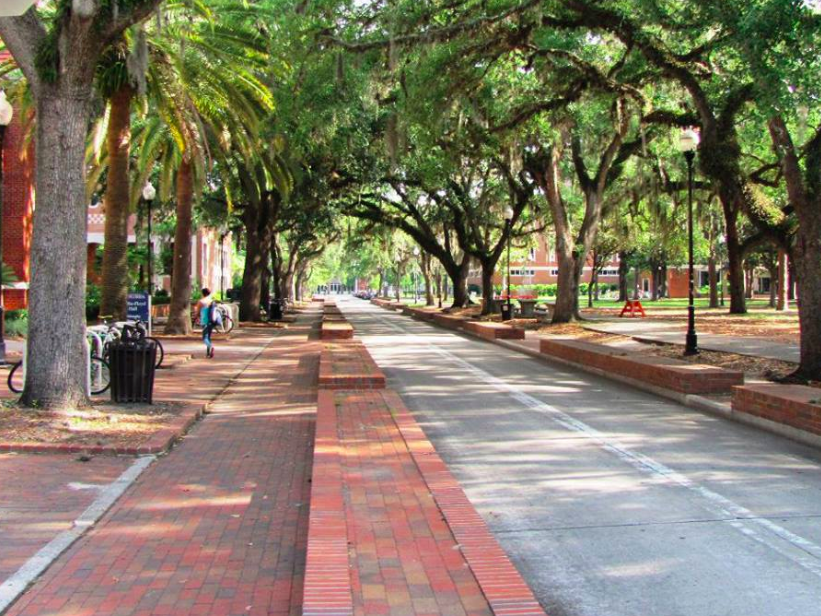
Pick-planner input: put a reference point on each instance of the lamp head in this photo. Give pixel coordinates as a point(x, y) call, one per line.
point(6, 110)
point(688, 141)
point(508, 213)
point(149, 192)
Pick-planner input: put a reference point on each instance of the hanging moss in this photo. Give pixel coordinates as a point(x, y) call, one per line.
point(47, 60)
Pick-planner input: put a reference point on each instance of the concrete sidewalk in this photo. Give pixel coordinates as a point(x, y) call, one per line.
point(219, 525)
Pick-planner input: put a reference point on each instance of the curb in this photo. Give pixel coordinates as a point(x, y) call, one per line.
point(328, 590)
point(503, 586)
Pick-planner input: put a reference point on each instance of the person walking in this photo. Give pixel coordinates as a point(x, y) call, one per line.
point(207, 308)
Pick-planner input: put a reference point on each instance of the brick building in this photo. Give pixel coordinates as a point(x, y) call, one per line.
point(18, 210)
point(542, 267)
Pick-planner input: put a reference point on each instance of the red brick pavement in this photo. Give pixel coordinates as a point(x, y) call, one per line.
point(218, 526)
point(37, 501)
point(405, 560)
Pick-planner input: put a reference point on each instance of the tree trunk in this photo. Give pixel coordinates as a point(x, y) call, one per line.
point(179, 315)
point(735, 259)
point(806, 257)
point(782, 283)
point(567, 293)
point(488, 269)
point(623, 271)
point(114, 300)
point(257, 244)
point(57, 360)
point(773, 271)
point(426, 274)
point(749, 280)
point(713, 275)
point(459, 279)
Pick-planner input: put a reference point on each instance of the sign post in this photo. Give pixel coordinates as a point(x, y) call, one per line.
point(139, 308)
point(15, 8)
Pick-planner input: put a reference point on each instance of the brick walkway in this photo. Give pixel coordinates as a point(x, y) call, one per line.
point(405, 559)
point(218, 526)
point(41, 496)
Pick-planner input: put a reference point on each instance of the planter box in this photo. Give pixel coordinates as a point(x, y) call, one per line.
point(673, 374)
point(494, 331)
point(796, 406)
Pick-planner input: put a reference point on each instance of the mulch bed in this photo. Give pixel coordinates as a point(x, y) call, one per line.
point(103, 428)
point(755, 367)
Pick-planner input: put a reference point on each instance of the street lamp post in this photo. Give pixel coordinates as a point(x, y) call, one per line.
point(508, 229)
point(6, 114)
point(149, 193)
point(688, 144)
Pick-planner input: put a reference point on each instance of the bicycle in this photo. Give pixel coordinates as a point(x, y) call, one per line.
point(226, 325)
point(99, 375)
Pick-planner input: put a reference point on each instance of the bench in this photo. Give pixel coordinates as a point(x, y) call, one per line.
point(348, 366)
point(494, 331)
point(335, 330)
point(673, 374)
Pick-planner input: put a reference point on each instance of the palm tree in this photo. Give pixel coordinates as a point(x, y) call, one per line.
point(203, 99)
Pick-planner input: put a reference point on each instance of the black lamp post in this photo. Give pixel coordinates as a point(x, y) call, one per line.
point(6, 114)
point(149, 193)
point(508, 230)
point(688, 144)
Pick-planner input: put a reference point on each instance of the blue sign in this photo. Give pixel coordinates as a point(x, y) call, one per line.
point(139, 307)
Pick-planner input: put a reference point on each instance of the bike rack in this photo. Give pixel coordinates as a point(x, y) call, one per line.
point(98, 350)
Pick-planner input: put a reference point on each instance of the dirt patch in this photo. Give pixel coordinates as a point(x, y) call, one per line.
point(578, 332)
point(760, 367)
point(105, 424)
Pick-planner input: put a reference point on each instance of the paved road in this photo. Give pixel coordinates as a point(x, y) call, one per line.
point(611, 501)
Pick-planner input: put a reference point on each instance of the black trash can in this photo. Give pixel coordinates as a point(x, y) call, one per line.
point(507, 311)
point(132, 363)
point(275, 310)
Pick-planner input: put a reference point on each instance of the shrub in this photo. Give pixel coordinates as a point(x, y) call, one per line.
point(93, 297)
point(17, 323)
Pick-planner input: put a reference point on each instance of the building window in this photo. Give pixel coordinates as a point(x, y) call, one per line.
point(532, 255)
point(554, 271)
point(518, 271)
point(610, 271)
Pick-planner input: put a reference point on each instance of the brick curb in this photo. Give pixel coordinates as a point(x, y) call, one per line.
point(328, 590)
point(504, 588)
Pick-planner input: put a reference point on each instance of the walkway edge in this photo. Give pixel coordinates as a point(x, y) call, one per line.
point(503, 586)
point(328, 590)
point(17, 584)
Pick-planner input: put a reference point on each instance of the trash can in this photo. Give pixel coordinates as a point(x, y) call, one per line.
point(507, 311)
point(275, 310)
point(132, 362)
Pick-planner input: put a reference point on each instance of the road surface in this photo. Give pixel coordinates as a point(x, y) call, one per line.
point(610, 501)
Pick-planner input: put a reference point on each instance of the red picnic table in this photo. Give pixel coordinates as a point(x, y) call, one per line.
point(633, 308)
